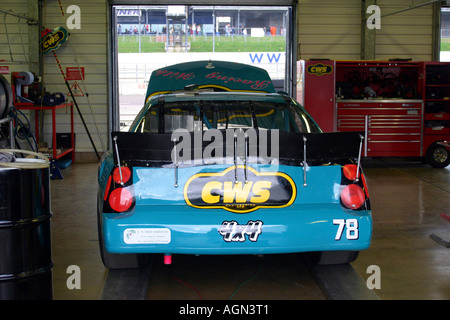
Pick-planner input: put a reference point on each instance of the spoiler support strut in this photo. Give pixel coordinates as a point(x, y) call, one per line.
point(175, 162)
point(235, 159)
point(246, 158)
point(359, 156)
point(118, 159)
point(304, 161)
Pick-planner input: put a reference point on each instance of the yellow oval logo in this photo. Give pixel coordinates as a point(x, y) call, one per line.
point(319, 69)
point(214, 190)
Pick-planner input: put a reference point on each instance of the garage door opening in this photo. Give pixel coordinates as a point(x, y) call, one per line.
point(445, 34)
point(152, 37)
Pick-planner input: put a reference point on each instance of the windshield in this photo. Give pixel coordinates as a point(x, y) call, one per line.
point(196, 115)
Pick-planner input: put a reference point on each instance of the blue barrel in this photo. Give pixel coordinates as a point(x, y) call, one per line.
point(25, 238)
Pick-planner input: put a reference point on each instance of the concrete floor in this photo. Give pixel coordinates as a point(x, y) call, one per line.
point(407, 198)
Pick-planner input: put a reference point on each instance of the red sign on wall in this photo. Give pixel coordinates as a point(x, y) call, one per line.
point(75, 73)
point(4, 69)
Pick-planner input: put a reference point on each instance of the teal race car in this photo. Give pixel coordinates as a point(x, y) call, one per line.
point(217, 162)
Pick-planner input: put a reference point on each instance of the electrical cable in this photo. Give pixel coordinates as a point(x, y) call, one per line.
point(7, 37)
point(188, 285)
point(22, 130)
point(245, 282)
point(26, 163)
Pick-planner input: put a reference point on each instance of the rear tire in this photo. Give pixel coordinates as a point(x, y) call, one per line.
point(333, 257)
point(123, 261)
point(119, 261)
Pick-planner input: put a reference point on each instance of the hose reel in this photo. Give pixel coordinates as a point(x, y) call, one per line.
point(24, 78)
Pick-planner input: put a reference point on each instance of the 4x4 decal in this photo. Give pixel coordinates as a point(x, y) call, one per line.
point(235, 232)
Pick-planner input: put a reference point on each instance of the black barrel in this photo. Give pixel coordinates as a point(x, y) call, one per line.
point(25, 239)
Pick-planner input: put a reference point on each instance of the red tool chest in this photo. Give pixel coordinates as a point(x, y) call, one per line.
point(402, 106)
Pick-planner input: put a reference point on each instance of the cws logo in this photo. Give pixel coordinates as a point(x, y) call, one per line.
point(220, 190)
point(319, 69)
point(53, 39)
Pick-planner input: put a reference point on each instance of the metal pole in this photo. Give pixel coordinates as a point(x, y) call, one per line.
point(76, 105)
point(214, 29)
point(139, 30)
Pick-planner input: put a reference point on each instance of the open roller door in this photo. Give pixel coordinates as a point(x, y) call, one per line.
point(146, 37)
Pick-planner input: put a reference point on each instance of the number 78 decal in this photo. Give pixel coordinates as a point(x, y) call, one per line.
point(350, 226)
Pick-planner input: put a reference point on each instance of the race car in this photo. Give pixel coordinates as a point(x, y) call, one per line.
point(218, 163)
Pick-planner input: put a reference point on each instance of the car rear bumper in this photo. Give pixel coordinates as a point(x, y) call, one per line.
point(179, 229)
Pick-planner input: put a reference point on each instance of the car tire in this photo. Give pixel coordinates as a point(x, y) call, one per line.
point(437, 156)
point(120, 261)
point(333, 257)
point(123, 261)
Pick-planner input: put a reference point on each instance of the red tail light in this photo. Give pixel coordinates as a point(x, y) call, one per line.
point(354, 193)
point(122, 174)
point(353, 196)
point(120, 199)
point(349, 171)
point(108, 185)
point(118, 195)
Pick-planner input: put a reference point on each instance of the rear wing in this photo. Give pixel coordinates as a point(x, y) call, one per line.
point(226, 146)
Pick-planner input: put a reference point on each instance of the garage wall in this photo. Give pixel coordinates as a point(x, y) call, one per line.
point(332, 29)
point(16, 31)
point(326, 29)
point(86, 47)
point(405, 35)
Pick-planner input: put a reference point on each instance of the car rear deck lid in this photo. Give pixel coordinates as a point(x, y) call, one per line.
point(221, 75)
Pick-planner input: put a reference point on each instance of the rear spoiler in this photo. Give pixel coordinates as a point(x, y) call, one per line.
point(148, 148)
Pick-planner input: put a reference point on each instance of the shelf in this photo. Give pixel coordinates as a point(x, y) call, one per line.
point(378, 79)
point(36, 109)
point(437, 130)
point(439, 116)
point(29, 106)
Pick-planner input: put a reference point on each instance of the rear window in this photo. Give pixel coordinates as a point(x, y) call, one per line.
point(165, 117)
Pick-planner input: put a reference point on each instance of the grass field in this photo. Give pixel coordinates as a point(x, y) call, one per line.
point(445, 44)
point(130, 44)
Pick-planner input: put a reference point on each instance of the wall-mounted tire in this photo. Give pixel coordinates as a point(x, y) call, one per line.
point(6, 97)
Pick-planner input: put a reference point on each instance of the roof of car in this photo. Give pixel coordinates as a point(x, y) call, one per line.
point(222, 75)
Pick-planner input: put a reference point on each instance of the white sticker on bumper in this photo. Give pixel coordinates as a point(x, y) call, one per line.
point(147, 236)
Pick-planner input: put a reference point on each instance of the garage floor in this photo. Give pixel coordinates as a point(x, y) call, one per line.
point(407, 199)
